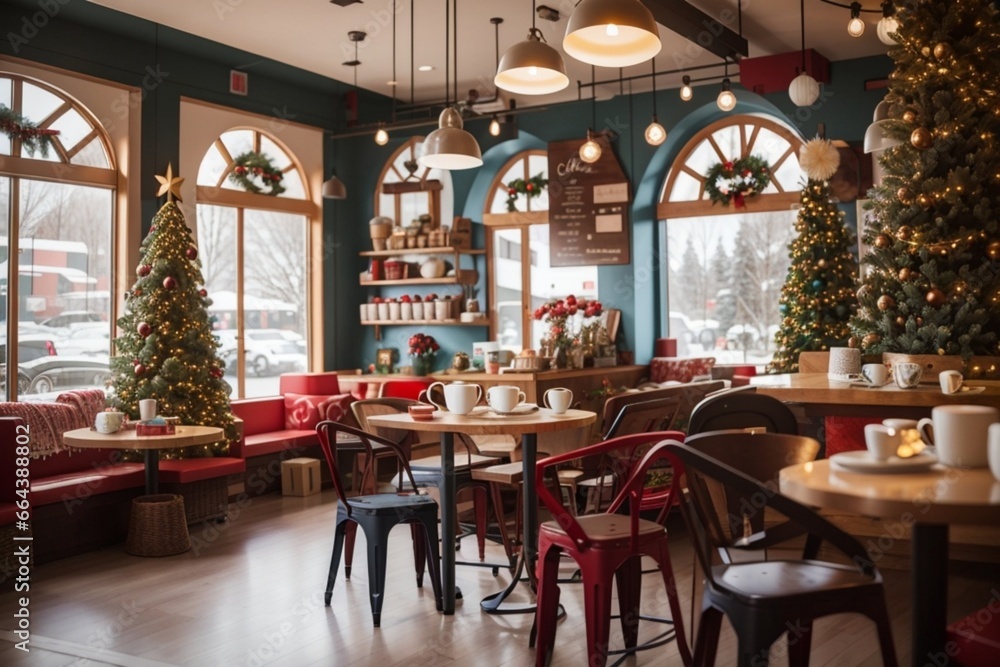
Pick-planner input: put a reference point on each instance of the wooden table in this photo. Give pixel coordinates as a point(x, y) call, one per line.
point(929, 502)
point(526, 426)
point(823, 397)
point(185, 436)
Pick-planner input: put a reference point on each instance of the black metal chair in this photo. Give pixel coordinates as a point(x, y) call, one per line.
point(764, 598)
point(378, 514)
point(742, 410)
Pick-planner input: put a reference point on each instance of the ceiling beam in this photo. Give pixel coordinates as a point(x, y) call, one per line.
point(703, 30)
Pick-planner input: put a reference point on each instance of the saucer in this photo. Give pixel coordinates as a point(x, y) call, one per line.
point(519, 411)
point(862, 461)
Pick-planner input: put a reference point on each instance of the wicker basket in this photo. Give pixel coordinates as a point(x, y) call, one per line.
point(203, 500)
point(531, 363)
point(157, 526)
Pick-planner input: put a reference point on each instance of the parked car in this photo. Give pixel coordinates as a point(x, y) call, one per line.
point(92, 339)
point(30, 347)
point(46, 374)
point(266, 351)
point(68, 317)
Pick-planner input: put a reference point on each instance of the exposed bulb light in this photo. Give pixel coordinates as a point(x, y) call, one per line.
point(531, 67)
point(590, 151)
point(888, 24)
point(855, 27)
point(655, 134)
point(495, 127)
point(612, 33)
point(450, 146)
point(381, 137)
point(686, 91)
point(726, 99)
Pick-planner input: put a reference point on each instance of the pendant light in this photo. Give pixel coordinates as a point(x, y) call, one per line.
point(726, 100)
point(334, 188)
point(612, 33)
point(875, 140)
point(381, 135)
point(888, 24)
point(856, 26)
point(655, 134)
point(495, 127)
point(450, 147)
point(590, 151)
point(532, 67)
point(803, 90)
point(686, 91)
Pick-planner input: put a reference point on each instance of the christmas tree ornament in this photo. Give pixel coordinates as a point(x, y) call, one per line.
point(191, 253)
point(203, 292)
point(821, 263)
point(882, 241)
point(942, 51)
point(993, 250)
point(921, 138)
point(170, 186)
point(137, 291)
point(143, 270)
point(863, 292)
point(885, 302)
point(819, 158)
point(169, 282)
point(900, 321)
point(870, 340)
point(144, 329)
point(904, 233)
point(925, 51)
point(904, 274)
point(905, 195)
point(853, 341)
point(139, 369)
point(924, 200)
point(920, 321)
point(909, 116)
point(935, 297)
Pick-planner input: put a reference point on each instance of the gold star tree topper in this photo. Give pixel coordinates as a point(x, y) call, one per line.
point(170, 185)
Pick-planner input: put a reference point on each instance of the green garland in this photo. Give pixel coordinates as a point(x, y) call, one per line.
point(252, 164)
point(531, 187)
point(19, 128)
point(735, 181)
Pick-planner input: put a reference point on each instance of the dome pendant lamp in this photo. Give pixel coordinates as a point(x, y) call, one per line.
point(532, 67)
point(450, 147)
point(612, 33)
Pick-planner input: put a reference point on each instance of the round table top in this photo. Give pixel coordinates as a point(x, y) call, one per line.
point(185, 436)
point(485, 422)
point(939, 495)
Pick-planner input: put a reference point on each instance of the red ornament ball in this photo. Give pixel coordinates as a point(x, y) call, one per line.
point(139, 369)
point(191, 253)
point(203, 292)
point(169, 282)
point(511, 191)
point(935, 297)
point(136, 362)
point(144, 270)
point(144, 329)
point(137, 292)
point(216, 372)
point(529, 187)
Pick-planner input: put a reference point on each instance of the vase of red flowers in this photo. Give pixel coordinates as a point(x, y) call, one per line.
point(566, 318)
point(423, 350)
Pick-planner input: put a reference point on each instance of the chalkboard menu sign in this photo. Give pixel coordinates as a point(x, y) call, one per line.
point(588, 207)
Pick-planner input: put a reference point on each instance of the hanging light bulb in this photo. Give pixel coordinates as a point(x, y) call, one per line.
point(591, 151)
point(655, 134)
point(888, 24)
point(495, 127)
point(612, 33)
point(686, 91)
point(381, 136)
point(855, 27)
point(726, 99)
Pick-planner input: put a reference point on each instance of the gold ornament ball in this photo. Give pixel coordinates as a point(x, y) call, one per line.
point(935, 297)
point(904, 274)
point(993, 250)
point(885, 302)
point(926, 52)
point(870, 340)
point(821, 263)
point(904, 195)
point(854, 341)
point(882, 241)
point(921, 138)
point(901, 321)
point(942, 50)
point(920, 321)
point(924, 200)
point(904, 233)
point(801, 300)
point(909, 116)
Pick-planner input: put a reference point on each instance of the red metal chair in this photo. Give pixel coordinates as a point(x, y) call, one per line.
point(608, 546)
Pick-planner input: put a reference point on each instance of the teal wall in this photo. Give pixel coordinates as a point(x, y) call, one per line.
point(95, 41)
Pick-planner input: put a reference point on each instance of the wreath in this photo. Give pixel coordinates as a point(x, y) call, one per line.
point(531, 187)
point(252, 165)
point(735, 181)
point(19, 128)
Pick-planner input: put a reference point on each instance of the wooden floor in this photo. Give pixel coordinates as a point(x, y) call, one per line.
point(250, 593)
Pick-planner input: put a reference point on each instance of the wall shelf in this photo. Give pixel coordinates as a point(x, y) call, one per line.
point(482, 322)
point(442, 250)
point(447, 280)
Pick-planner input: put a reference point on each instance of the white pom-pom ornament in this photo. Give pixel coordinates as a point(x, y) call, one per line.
point(819, 159)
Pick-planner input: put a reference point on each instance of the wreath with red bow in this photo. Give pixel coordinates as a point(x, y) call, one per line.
point(252, 167)
point(736, 181)
point(531, 187)
point(19, 128)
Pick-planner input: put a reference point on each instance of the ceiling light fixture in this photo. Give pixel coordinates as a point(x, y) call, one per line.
point(888, 24)
point(532, 67)
point(334, 188)
point(875, 139)
point(727, 98)
point(495, 127)
point(381, 136)
point(856, 26)
point(612, 33)
point(655, 134)
point(450, 146)
point(426, 68)
point(590, 151)
point(686, 91)
point(803, 90)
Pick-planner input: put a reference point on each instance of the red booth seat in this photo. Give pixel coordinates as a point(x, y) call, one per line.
point(76, 486)
point(185, 471)
point(976, 638)
point(309, 383)
point(666, 369)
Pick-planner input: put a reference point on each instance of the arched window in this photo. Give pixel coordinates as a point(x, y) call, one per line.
point(407, 190)
point(57, 207)
point(726, 265)
point(517, 243)
point(254, 249)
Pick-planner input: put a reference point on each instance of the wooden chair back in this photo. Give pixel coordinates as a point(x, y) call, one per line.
point(690, 395)
point(742, 410)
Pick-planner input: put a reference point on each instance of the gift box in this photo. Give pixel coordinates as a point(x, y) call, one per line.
point(154, 429)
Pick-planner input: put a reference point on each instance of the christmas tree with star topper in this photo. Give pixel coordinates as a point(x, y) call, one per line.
point(166, 350)
point(932, 281)
point(817, 299)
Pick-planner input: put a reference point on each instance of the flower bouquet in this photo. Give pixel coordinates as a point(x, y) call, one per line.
point(569, 320)
point(423, 350)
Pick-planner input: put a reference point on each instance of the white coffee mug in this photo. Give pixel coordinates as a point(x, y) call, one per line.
point(993, 453)
point(907, 374)
point(557, 399)
point(882, 441)
point(951, 381)
point(504, 398)
point(960, 434)
point(109, 422)
point(875, 374)
point(147, 409)
point(459, 397)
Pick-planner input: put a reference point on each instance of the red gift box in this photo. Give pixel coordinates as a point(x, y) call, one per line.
point(154, 429)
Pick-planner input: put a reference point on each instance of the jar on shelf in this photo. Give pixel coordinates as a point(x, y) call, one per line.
point(418, 310)
point(394, 310)
point(405, 310)
point(394, 269)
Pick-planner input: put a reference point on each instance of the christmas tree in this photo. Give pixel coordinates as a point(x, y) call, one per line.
point(166, 349)
point(933, 285)
point(817, 299)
